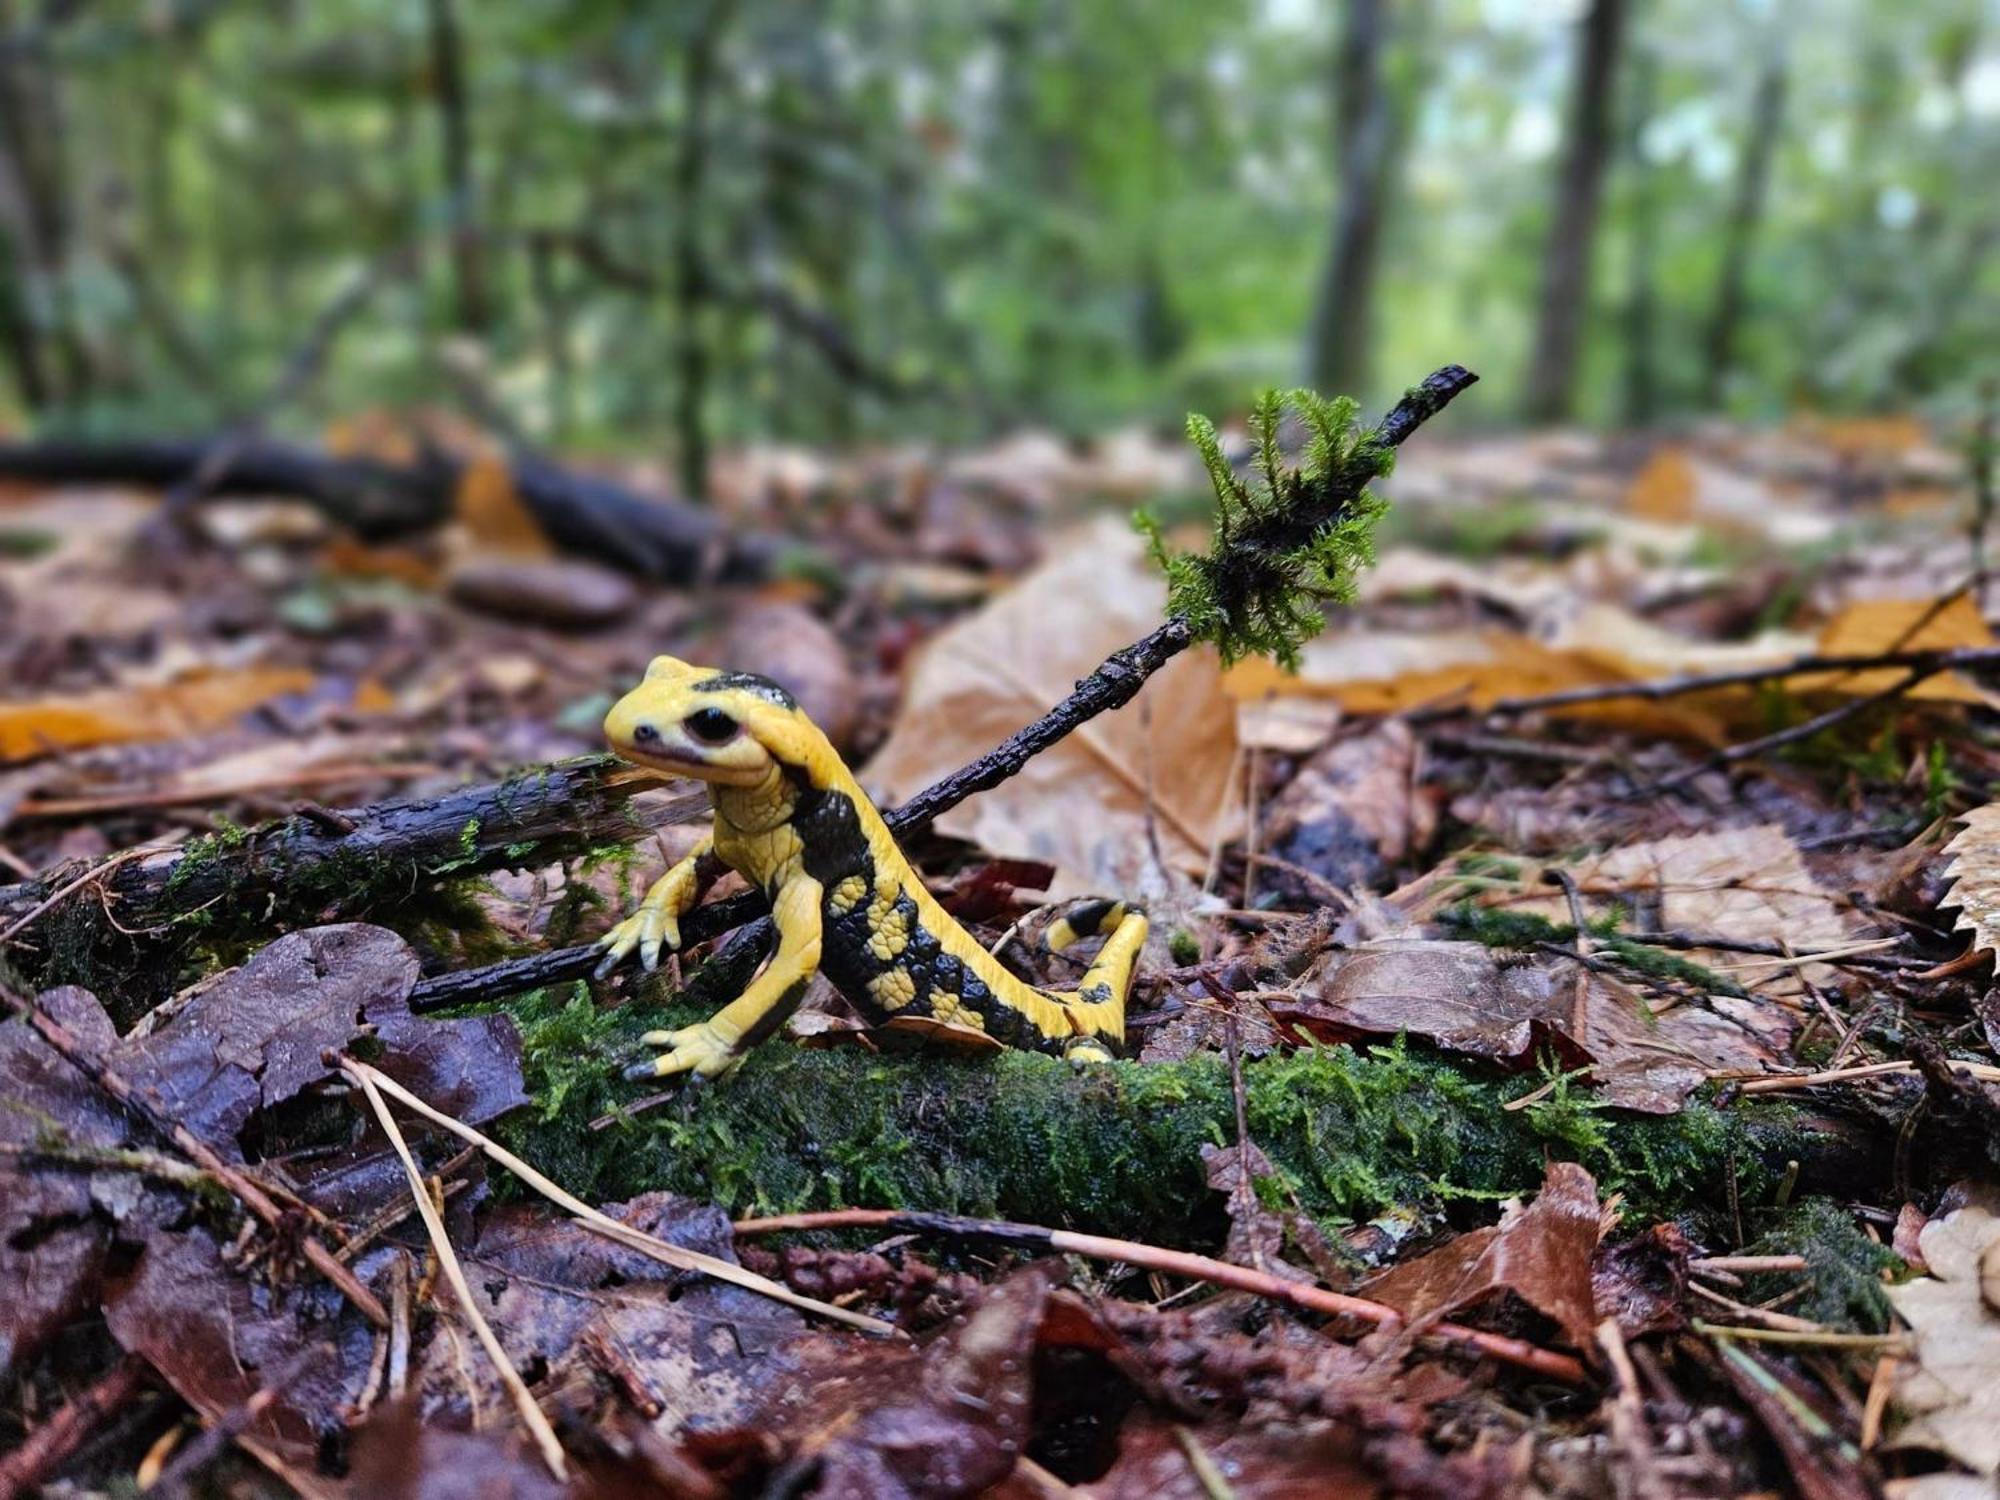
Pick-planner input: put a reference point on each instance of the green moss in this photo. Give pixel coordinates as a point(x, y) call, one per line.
point(1513, 929)
point(1114, 1149)
point(1843, 1267)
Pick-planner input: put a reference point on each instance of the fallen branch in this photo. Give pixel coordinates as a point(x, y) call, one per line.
point(647, 535)
point(315, 865)
point(1114, 683)
point(1517, 1352)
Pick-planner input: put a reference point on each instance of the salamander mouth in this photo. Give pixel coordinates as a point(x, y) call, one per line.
point(673, 765)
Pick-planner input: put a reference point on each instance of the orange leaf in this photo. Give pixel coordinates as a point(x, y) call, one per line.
point(493, 515)
point(1874, 626)
point(192, 705)
point(1664, 490)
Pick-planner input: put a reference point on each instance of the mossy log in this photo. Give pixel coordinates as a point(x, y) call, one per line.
point(1116, 1149)
point(319, 867)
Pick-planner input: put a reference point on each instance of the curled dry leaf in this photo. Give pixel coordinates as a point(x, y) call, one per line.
point(1092, 805)
point(1950, 1392)
point(1974, 873)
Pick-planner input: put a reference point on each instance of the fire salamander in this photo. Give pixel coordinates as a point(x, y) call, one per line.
point(792, 820)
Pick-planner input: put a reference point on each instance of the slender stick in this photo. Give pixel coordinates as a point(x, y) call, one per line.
point(44, 1450)
point(531, 1413)
point(1114, 683)
point(1518, 1352)
point(247, 1191)
point(677, 1256)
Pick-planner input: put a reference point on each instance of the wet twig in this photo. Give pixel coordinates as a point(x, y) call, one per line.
point(1517, 1352)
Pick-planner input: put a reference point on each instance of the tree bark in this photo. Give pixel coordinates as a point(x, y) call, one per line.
point(1641, 293)
point(691, 356)
point(1746, 215)
point(1341, 339)
point(447, 53)
point(1573, 225)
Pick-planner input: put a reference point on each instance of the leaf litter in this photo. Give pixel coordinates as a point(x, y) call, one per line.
point(1390, 851)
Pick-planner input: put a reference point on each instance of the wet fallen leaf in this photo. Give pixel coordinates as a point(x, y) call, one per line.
point(1461, 998)
point(1348, 816)
point(1540, 1254)
point(888, 1422)
point(1749, 884)
point(1643, 1282)
point(1090, 805)
point(592, 1320)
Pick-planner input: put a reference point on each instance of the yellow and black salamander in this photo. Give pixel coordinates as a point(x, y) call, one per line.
point(792, 820)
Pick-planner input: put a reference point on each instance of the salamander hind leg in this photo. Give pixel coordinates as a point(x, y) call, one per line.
point(1097, 1006)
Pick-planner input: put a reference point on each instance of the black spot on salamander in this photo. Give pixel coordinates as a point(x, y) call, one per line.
point(831, 842)
point(745, 682)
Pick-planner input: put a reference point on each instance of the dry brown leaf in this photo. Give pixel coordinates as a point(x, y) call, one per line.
point(191, 705)
point(1872, 626)
point(1091, 805)
point(1387, 672)
point(1974, 874)
point(1749, 884)
point(1950, 1393)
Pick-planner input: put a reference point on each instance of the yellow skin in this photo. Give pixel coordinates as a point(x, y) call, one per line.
point(791, 819)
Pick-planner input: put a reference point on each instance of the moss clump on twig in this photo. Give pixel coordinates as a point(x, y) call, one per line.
point(1114, 1149)
point(1286, 542)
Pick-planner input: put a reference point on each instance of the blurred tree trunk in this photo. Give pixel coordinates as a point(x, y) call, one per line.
point(50, 363)
point(1573, 225)
point(1341, 338)
point(447, 51)
point(1746, 214)
point(691, 354)
point(1641, 293)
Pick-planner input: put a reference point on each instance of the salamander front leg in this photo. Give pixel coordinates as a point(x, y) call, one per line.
point(656, 925)
point(715, 1046)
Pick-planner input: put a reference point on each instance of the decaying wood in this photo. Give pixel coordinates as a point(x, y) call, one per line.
point(316, 864)
point(646, 535)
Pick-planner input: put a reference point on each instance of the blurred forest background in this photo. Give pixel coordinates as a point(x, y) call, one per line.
point(671, 227)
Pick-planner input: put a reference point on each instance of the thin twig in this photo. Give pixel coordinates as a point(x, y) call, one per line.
point(1517, 1352)
point(248, 1192)
point(530, 1412)
point(651, 1246)
point(1777, 740)
point(1779, 1083)
point(1820, 1339)
point(1654, 690)
point(44, 1450)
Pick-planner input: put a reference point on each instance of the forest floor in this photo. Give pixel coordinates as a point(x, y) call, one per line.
point(1565, 1061)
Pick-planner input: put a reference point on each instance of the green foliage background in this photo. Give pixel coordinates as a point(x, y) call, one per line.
point(1015, 211)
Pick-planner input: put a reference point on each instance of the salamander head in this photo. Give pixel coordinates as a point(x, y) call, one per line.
point(727, 727)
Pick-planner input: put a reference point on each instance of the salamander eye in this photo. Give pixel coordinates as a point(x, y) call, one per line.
point(711, 726)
